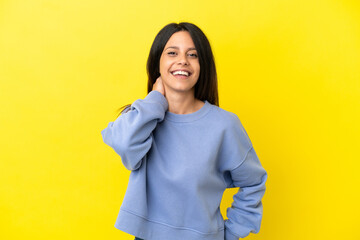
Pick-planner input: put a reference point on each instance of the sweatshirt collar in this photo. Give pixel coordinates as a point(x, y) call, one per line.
point(190, 117)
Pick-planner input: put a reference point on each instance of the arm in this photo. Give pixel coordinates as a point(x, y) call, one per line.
point(245, 214)
point(130, 135)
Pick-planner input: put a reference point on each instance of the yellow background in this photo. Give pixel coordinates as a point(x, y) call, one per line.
point(289, 69)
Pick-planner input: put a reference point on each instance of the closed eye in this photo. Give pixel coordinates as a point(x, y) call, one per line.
point(193, 55)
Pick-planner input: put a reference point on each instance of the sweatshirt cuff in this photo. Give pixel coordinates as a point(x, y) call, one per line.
point(157, 96)
point(230, 236)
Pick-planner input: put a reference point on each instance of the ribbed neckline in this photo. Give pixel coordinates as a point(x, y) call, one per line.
point(173, 117)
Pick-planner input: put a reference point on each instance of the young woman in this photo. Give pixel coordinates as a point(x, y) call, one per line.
point(183, 150)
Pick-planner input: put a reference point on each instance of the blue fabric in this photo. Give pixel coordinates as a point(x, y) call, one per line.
point(180, 166)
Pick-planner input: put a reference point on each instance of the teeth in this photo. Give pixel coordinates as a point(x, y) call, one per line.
point(180, 73)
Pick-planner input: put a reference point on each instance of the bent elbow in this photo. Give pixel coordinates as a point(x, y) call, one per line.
point(131, 155)
point(132, 163)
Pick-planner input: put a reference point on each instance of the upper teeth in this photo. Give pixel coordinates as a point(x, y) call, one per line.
point(181, 73)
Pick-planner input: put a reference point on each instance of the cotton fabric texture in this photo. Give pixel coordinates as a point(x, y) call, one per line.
point(180, 166)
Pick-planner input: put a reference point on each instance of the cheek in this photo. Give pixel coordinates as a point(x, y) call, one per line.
point(197, 66)
point(163, 66)
point(198, 70)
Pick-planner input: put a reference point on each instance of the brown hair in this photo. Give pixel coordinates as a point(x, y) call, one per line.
point(206, 87)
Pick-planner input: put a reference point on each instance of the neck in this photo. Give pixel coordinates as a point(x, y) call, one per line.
point(183, 103)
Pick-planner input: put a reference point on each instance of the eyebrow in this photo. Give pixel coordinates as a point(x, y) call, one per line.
point(178, 48)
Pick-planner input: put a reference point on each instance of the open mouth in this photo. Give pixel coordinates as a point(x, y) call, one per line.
point(181, 73)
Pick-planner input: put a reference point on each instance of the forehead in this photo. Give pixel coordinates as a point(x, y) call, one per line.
point(181, 39)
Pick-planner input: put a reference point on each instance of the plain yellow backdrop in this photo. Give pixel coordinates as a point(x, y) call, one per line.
point(289, 69)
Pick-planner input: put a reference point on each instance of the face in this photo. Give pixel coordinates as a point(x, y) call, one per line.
point(179, 64)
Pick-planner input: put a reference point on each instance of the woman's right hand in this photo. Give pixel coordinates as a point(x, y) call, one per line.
point(159, 86)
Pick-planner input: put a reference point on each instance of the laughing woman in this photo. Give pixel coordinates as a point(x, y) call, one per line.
point(183, 150)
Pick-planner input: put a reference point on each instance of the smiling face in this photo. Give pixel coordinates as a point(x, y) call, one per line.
point(179, 64)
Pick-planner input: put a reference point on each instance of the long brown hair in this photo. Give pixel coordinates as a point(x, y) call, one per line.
point(206, 87)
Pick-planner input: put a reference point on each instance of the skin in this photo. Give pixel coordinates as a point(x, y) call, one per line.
point(179, 53)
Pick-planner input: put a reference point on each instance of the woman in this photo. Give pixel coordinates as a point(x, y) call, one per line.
point(183, 150)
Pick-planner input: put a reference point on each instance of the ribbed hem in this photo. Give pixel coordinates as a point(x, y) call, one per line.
point(151, 230)
point(230, 236)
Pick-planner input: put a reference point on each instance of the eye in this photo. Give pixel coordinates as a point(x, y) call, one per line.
point(171, 53)
point(193, 55)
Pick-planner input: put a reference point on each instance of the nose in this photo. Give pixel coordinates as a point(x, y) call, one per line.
point(183, 59)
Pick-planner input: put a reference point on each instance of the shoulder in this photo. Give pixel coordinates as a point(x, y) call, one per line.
point(235, 142)
point(227, 118)
point(231, 125)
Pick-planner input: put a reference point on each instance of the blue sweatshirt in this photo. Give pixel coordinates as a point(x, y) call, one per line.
point(180, 166)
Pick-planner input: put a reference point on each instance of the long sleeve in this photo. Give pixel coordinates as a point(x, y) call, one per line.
point(245, 214)
point(130, 135)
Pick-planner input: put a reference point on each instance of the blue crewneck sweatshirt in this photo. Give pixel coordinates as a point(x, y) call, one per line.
point(180, 166)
